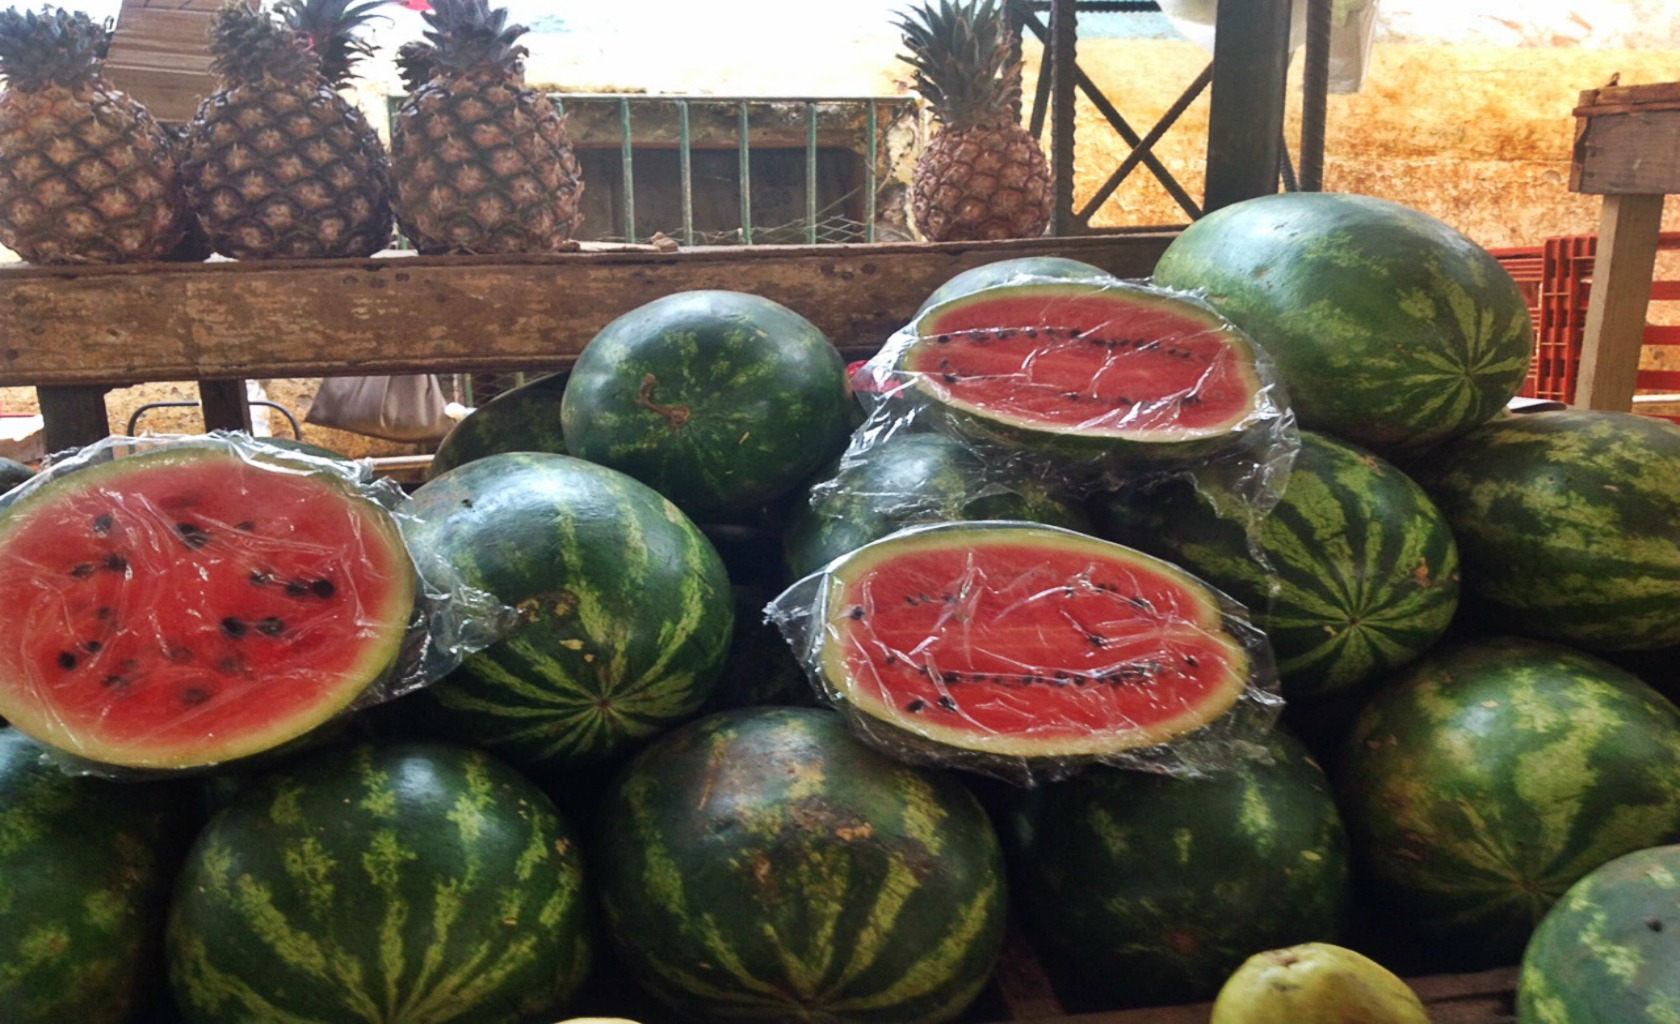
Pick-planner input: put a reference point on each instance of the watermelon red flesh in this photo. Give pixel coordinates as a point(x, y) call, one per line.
point(187, 606)
point(1110, 360)
point(1023, 640)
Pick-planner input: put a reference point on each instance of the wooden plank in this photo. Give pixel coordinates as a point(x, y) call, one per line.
point(1616, 305)
point(1621, 96)
point(1634, 153)
point(120, 325)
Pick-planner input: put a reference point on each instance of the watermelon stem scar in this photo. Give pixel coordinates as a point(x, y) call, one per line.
point(676, 416)
point(1009, 646)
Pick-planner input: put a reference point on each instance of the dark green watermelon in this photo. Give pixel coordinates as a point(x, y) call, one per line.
point(1139, 889)
point(1569, 525)
point(13, 473)
point(721, 401)
point(626, 607)
point(1360, 573)
point(764, 865)
point(1604, 954)
point(907, 479)
point(1490, 777)
point(382, 882)
point(86, 866)
point(1389, 328)
point(1012, 271)
point(525, 419)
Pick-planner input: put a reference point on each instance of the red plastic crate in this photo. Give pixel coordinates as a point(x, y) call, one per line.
point(1558, 304)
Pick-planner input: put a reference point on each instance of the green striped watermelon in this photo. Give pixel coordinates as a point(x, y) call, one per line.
point(1360, 573)
point(1023, 649)
point(626, 607)
point(400, 883)
point(907, 479)
point(1389, 328)
point(1020, 270)
point(1140, 889)
point(1490, 777)
point(13, 473)
point(196, 601)
point(721, 401)
point(525, 419)
point(85, 870)
point(1569, 524)
point(763, 865)
point(1099, 373)
point(1604, 954)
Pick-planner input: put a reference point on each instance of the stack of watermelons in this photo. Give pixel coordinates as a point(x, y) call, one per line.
point(1164, 622)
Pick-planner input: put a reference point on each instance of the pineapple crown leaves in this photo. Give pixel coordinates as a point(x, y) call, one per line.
point(960, 54)
point(328, 29)
point(248, 45)
point(468, 37)
point(415, 63)
point(53, 47)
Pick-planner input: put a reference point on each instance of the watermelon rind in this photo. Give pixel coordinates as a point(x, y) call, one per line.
point(1138, 889)
point(1604, 953)
point(86, 866)
point(1389, 328)
point(1019, 270)
point(381, 881)
point(1116, 626)
point(1035, 326)
point(1485, 780)
point(525, 419)
point(1568, 523)
point(761, 864)
point(373, 604)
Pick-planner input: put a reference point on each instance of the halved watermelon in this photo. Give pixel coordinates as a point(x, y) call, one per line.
point(196, 602)
point(963, 642)
point(1104, 369)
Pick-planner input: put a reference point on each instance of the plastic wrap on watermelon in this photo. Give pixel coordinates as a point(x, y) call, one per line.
point(1029, 651)
point(172, 603)
point(1089, 381)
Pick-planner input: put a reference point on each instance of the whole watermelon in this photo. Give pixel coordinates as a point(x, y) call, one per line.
point(1487, 779)
point(1389, 328)
point(1569, 525)
point(525, 419)
point(1360, 573)
point(1139, 889)
point(402, 883)
point(907, 479)
point(626, 609)
point(721, 401)
point(13, 473)
point(1604, 954)
point(763, 865)
point(85, 870)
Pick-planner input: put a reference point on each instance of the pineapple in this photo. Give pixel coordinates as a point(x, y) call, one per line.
point(86, 174)
point(278, 163)
point(482, 164)
point(983, 176)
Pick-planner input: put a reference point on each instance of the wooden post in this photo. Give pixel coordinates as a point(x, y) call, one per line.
point(1245, 118)
point(1627, 149)
point(225, 405)
point(72, 416)
point(1064, 34)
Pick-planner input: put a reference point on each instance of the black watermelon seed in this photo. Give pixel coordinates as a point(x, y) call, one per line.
point(83, 571)
point(296, 589)
point(323, 588)
point(194, 535)
point(950, 677)
point(891, 659)
point(102, 525)
point(271, 626)
point(1190, 660)
point(949, 378)
point(66, 660)
point(116, 563)
point(260, 578)
point(93, 647)
point(194, 695)
point(247, 526)
point(115, 681)
point(943, 339)
point(856, 613)
point(102, 614)
point(233, 627)
point(915, 706)
point(947, 703)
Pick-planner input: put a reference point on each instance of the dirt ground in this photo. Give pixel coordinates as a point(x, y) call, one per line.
point(1476, 135)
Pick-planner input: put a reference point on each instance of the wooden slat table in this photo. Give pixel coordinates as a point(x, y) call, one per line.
point(75, 332)
point(1627, 149)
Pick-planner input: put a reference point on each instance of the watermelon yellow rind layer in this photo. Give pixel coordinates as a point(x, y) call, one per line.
point(1084, 368)
point(95, 666)
point(998, 644)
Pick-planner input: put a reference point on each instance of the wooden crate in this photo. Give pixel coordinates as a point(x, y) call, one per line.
point(160, 54)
